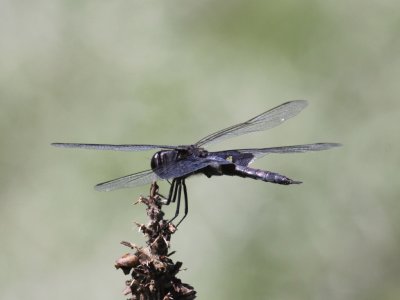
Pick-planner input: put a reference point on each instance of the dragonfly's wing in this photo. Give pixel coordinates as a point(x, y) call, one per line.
point(132, 180)
point(188, 166)
point(266, 120)
point(112, 147)
point(176, 169)
point(245, 157)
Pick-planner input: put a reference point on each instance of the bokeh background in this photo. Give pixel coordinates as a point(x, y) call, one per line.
point(170, 72)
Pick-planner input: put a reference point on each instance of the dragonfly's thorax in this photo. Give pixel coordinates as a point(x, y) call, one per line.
point(166, 157)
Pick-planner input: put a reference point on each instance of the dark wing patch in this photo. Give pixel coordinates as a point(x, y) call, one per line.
point(244, 157)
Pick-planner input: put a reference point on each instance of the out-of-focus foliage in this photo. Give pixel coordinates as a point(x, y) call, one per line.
point(171, 72)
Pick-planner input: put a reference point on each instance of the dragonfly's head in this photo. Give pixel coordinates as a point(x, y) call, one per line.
point(166, 157)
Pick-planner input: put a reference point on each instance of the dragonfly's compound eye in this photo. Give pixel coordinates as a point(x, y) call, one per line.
point(156, 160)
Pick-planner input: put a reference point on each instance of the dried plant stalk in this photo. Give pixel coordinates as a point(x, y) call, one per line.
point(153, 272)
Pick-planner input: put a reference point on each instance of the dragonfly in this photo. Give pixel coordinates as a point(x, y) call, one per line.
point(177, 163)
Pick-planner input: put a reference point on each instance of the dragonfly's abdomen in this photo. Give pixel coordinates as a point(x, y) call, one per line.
point(258, 174)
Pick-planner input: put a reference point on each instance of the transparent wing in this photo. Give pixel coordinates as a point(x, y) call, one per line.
point(173, 170)
point(245, 157)
point(133, 180)
point(112, 147)
point(266, 120)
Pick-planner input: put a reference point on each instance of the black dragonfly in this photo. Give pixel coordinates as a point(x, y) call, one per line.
point(177, 163)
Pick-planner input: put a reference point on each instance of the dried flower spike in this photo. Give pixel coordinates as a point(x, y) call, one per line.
point(153, 272)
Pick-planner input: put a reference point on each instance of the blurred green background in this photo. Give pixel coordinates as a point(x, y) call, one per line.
point(170, 72)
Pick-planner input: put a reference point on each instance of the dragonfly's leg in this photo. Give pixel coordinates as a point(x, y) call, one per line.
point(186, 202)
point(162, 196)
point(177, 195)
point(164, 199)
point(171, 193)
point(175, 192)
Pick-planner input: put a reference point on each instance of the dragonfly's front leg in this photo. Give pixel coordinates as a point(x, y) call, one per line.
point(186, 202)
point(176, 196)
